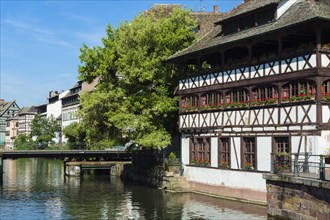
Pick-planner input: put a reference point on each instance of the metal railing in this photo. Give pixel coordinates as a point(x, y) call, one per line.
point(300, 165)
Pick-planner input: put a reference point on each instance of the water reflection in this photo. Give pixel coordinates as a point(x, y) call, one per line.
point(37, 189)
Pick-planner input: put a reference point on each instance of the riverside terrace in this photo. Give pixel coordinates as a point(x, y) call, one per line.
point(79, 155)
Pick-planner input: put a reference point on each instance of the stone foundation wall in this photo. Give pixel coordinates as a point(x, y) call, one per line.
point(152, 176)
point(297, 198)
point(147, 168)
point(237, 194)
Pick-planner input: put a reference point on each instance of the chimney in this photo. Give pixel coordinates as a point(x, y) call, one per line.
point(215, 9)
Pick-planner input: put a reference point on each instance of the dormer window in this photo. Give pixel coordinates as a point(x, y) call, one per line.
point(247, 21)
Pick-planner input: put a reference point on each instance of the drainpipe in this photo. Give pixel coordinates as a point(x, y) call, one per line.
point(180, 155)
point(322, 169)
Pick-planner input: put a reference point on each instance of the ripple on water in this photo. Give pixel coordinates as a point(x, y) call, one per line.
point(36, 189)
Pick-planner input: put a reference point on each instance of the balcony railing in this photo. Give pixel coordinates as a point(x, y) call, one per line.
point(254, 103)
point(295, 62)
point(301, 165)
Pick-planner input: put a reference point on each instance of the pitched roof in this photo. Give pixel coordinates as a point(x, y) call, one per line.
point(205, 20)
point(301, 11)
point(246, 7)
point(4, 106)
point(28, 111)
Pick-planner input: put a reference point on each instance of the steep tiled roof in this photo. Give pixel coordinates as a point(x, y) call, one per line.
point(205, 20)
point(302, 11)
point(4, 106)
point(28, 110)
point(248, 6)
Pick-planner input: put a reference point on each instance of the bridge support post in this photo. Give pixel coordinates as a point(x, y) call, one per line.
point(72, 168)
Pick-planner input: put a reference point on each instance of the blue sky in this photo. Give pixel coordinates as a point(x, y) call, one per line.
point(41, 40)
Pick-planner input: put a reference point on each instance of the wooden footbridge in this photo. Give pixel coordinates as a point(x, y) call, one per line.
point(78, 159)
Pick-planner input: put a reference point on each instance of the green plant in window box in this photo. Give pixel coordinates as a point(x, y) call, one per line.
point(248, 166)
point(282, 154)
point(326, 97)
point(280, 168)
point(308, 97)
point(293, 98)
point(201, 163)
point(224, 164)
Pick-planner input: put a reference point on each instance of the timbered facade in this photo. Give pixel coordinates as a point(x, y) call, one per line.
point(262, 87)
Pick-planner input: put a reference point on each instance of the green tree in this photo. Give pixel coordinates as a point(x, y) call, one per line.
point(76, 135)
point(135, 99)
point(43, 130)
point(24, 142)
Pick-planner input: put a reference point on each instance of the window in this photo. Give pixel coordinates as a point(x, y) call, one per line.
point(8, 123)
point(265, 17)
point(298, 91)
point(224, 152)
point(326, 89)
point(249, 153)
point(265, 92)
point(281, 159)
point(247, 22)
point(229, 27)
point(211, 100)
point(236, 96)
point(265, 95)
point(281, 144)
point(200, 151)
point(190, 103)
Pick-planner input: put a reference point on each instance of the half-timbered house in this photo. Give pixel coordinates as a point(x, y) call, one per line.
point(262, 86)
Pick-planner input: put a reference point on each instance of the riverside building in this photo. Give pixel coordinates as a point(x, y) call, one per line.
point(262, 86)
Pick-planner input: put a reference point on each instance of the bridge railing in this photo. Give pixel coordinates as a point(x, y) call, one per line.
point(300, 165)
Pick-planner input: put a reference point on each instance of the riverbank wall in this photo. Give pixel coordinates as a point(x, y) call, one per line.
point(292, 197)
point(146, 168)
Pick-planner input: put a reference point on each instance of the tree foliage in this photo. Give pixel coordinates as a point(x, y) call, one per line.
point(43, 130)
point(24, 142)
point(76, 135)
point(135, 99)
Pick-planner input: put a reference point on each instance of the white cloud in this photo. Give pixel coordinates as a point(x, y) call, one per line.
point(27, 27)
point(38, 33)
point(80, 18)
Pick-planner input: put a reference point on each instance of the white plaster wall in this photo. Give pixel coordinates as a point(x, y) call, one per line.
point(325, 60)
point(264, 148)
point(235, 148)
point(230, 178)
point(185, 150)
point(325, 113)
point(214, 152)
point(55, 109)
point(295, 144)
point(283, 6)
point(323, 143)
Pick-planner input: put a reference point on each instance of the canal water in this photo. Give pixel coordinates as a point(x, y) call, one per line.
point(37, 189)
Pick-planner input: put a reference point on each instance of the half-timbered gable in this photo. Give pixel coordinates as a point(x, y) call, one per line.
point(7, 110)
point(262, 86)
